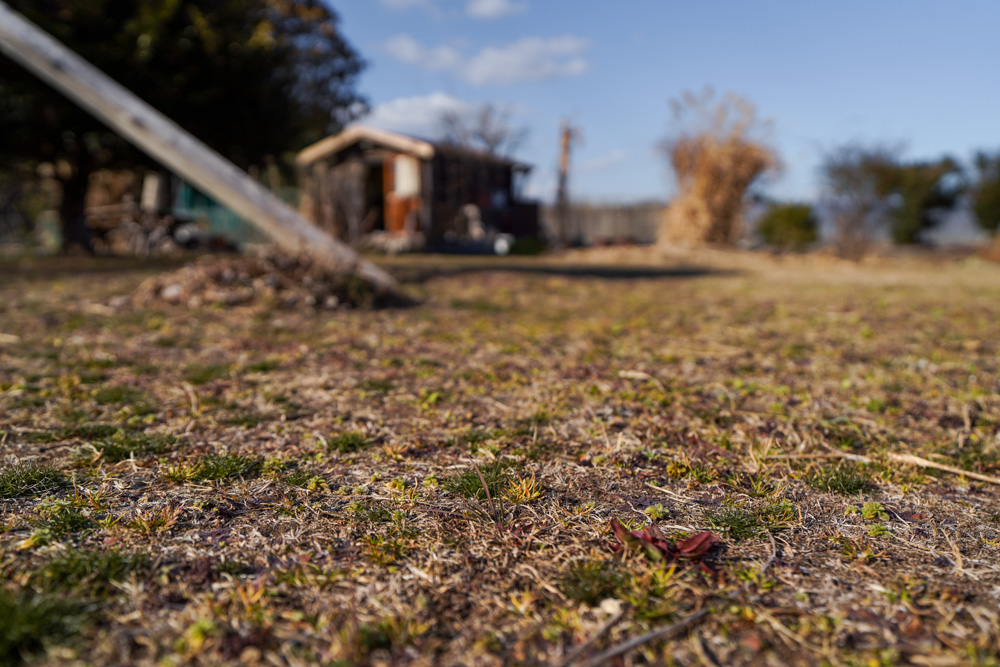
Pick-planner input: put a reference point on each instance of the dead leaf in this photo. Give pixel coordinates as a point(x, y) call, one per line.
point(913, 628)
point(651, 541)
point(696, 546)
point(658, 548)
point(752, 641)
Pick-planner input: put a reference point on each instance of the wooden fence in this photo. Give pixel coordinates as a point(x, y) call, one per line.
point(604, 224)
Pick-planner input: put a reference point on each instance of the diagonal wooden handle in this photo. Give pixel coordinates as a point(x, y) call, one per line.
point(175, 148)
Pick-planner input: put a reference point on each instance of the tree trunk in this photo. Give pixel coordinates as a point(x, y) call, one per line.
point(76, 235)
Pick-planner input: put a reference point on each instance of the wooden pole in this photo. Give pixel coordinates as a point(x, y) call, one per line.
point(567, 135)
point(175, 148)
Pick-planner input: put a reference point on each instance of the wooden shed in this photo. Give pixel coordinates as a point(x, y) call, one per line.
point(366, 180)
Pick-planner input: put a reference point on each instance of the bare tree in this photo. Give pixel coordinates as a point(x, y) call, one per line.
point(856, 180)
point(488, 128)
point(985, 191)
point(717, 152)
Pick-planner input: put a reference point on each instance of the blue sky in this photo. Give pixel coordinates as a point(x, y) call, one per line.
point(921, 74)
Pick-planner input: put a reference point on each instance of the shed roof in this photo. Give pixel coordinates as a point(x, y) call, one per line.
point(401, 142)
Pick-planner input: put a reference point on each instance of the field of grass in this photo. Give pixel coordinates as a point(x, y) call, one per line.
point(437, 484)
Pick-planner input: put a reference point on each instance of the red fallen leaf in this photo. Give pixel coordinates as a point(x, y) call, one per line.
point(622, 533)
point(658, 540)
point(654, 533)
point(696, 546)
point(752, 641)
point(913, 628)
point(658, 548)
point(652, 541)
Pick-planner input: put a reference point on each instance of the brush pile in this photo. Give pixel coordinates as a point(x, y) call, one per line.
point(269, 278)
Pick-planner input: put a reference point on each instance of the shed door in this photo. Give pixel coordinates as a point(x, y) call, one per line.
point(401, 181)
point(407, 176)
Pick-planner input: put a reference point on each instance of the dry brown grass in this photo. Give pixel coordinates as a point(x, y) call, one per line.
point(333, 528)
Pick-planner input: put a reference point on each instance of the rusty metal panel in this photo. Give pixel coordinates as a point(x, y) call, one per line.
point(398, 210)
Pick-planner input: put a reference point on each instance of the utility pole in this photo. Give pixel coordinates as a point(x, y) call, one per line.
point(567, 135)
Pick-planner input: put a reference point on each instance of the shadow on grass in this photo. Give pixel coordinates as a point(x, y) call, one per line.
point(408, 269)
point(51, 266)
point(420, 268)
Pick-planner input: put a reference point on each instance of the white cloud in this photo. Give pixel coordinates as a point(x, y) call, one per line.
point(480, 9)
point(492, 9)
point(419, 116)
point(528, 59)
point(408, 50)
point(612, 159)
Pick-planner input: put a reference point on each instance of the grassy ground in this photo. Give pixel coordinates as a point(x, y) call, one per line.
point(250, 486)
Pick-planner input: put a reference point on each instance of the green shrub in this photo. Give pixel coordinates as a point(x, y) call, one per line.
point(349, 441)
point(198, 374)
point(985, 192)
point(64, 519)
point(30, 622)
point(25, 480)
point(792, 226)
point(469, 484)
point(124, 444)
point(844, 478)
point(89, 573)
point(217, 467)
point(591, 581)
point(115, 395)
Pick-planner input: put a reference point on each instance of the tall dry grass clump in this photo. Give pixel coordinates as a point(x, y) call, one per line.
point(716, 155)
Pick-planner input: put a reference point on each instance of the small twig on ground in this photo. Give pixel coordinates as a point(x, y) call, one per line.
point(495, 514)
point(857, 458)
point(58, 445)
point(625, 647)
point(436, 511)
point(579, 650)
point(675, 496)
point(702, 651)
point(494, 402)
point(780, 628)
point(959, 562)
point(192, 397)
point(805, 457)
point(924, 463)
point(774, 554)
point(420, 573)
point(920, 462)
point(639, 375)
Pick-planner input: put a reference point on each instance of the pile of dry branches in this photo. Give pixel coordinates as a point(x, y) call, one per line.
point(268, 278)
point(715, 160)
